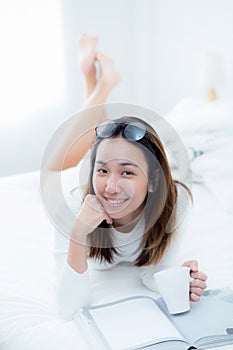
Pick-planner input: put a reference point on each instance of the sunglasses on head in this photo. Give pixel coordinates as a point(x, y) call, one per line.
point(131, 132)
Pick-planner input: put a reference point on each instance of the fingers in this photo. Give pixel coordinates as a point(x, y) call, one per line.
point(193, 264)
point(199, 276)
point(198, 284)
point(194, 297)
point(108, 220)
point(93, 203)
point(92, 213)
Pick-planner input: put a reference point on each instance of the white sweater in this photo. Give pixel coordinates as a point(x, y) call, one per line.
point(73, 289)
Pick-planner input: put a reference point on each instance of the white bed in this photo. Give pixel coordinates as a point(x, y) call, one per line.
point(28, 316)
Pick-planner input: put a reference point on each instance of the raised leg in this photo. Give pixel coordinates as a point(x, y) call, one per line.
point(109, 77)
point(87, 56)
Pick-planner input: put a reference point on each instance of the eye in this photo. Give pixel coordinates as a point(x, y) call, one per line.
point(127, 173)
point(101, 171)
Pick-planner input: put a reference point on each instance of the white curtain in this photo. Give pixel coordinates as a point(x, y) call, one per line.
point(32, 64)
point(32, 80)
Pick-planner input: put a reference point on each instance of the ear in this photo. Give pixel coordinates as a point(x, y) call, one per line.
point(154, 181)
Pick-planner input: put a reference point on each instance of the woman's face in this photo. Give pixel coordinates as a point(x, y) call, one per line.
point(120, 179)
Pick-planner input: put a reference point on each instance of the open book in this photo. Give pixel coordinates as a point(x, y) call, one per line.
point(141, 322)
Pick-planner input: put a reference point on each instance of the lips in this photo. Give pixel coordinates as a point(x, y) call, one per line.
point(115, 202)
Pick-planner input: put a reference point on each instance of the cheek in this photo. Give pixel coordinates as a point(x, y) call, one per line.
point(141, 189)
point(137, 190)
point(125, 186)
point(98, 184)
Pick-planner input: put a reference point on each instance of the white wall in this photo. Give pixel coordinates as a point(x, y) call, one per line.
point(157, 46)
point(115, 23)
point(184, 31)
point(32, 76)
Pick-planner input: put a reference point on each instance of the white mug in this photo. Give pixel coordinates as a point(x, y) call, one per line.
point(173, 286)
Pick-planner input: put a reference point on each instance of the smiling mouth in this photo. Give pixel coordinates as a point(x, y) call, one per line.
point(115, 202)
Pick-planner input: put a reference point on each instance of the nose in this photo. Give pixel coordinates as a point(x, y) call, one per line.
point(112, 184)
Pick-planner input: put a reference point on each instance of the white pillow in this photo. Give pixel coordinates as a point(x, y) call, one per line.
point(206, 129)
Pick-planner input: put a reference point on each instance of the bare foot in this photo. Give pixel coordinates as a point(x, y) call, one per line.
point(108, 74)
point(87, 56)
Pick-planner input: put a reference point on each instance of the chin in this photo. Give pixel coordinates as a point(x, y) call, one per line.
point(115, 215)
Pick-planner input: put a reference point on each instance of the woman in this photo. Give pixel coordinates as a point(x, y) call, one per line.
point(128, 207)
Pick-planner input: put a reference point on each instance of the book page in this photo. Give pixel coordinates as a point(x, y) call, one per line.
point(209, 317)
point(134, 322)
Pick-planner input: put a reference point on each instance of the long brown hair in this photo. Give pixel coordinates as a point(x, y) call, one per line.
point(160, 203)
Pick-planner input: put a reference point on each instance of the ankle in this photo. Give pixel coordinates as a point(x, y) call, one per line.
point(97, 97)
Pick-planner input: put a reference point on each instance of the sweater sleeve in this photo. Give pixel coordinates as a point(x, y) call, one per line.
point(173, 255)
point(72, 288)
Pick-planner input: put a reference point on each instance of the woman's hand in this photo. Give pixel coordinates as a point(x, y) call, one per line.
point(198, 284)
point(91, 214)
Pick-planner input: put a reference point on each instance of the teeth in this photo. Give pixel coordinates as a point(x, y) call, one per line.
point(116, 201)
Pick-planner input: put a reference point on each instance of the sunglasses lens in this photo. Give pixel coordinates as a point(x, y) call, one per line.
point(106, 130)
point(134, 132)
point(131, 132)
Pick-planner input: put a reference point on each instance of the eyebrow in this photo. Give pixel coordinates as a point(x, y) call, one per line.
point(121, 164)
